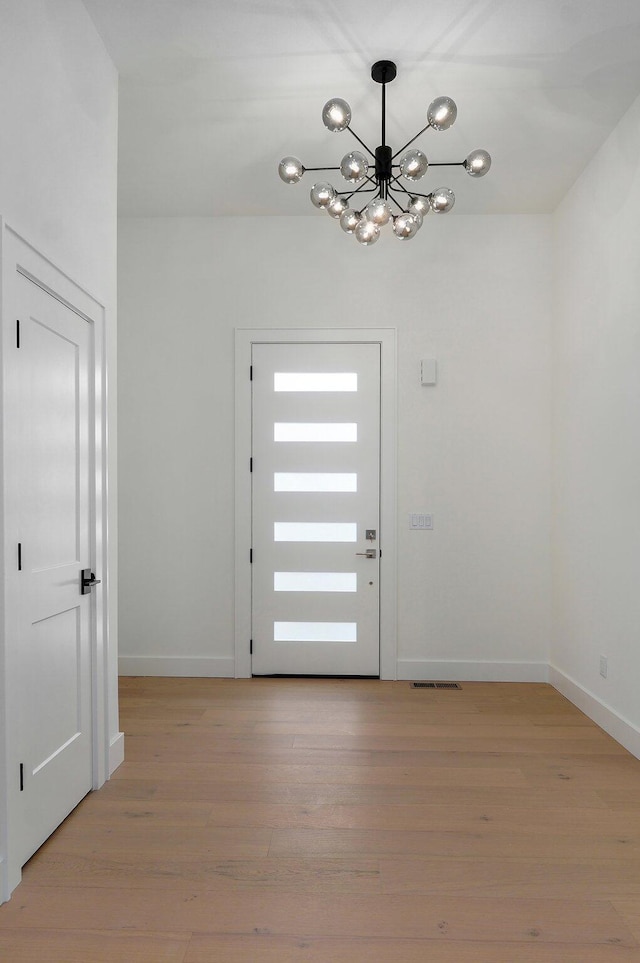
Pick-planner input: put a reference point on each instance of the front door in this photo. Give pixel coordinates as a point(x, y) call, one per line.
point(315, 509)
point(54, 645)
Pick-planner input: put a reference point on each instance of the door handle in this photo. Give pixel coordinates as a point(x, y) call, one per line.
point(87, 581)
point(370, 553)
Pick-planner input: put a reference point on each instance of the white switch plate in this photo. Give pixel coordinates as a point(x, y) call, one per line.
point(603, 666)
point(428, 371)
point(420, 521)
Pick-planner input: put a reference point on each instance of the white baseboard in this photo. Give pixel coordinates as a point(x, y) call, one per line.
point(460, 671)
point(599, 712)
point(116, 752)
point(176, 666)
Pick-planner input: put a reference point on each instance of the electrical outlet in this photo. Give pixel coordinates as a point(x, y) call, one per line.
point(603, 666)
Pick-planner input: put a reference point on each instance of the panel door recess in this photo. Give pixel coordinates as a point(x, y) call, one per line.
point(315, 498)
point(54, 662)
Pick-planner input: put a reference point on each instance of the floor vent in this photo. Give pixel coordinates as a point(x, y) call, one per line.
point(436, 685)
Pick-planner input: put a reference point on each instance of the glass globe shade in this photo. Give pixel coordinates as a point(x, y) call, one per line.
point(419, 205)
point(405, 226)
point(321, 195)
point(478, 163)
point(442, 113)
point(354, 166)
point(349, 220)
point(378, 211)
point(337, 206)
point(442, 200)
point(414, 165)
point(290, 170)
point(367, 232)
point(336, 114)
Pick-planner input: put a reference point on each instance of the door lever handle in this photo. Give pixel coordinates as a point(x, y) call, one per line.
point(87, 581)
point(370, 553)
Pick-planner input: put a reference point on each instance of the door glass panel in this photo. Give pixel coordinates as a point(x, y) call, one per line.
point(315, 631)
point(307, 481)
point(315, 381)
point(315, 532)
point(315, 431)
point(315, 582)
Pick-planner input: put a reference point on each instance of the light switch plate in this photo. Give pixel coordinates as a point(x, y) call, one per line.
point(420, 521)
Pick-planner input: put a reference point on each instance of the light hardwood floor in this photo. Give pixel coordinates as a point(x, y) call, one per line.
point(335, 821)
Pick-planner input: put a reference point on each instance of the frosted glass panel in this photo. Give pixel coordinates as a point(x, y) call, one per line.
point(315, 582)
point(315, 381)
point(307, 481)
point(315, 631)
point(315, 431)
point(315, 532)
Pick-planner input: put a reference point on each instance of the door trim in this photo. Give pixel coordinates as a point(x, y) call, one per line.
point(19, 257)
point(386, 338)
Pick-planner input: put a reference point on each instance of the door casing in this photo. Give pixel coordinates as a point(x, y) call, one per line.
point(17, 257)
point(244, 339)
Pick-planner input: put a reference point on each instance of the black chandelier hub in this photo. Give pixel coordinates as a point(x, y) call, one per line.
point(384, 157)
point(383, 72)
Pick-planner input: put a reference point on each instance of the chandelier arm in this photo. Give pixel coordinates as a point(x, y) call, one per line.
point(361, 189)
point(321, 169)
point(358, 190)
point(348, 197)
point(400, 187)
point(448, 164)
point(411, 141)
point(390, 197)
point(368, 149)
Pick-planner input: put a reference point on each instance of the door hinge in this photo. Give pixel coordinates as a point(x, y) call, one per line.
point(18, 333)
point(21, 777)
point(19, 556)
point(251, 464)
point(380, 553)
point(250, 372)
point(250, 646)
point(250, 556)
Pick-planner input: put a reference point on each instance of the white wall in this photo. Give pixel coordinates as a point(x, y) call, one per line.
point(58, 128)
point(58, 124)
point(597, 435)
point(475, 450)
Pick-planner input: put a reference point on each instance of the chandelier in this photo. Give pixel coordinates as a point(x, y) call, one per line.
point(380, 173)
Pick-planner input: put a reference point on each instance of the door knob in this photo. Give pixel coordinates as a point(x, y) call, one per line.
point(87, 581)
point(370, 553)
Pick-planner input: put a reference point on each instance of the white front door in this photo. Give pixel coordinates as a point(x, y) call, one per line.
point(315, 509)
point(54, 661)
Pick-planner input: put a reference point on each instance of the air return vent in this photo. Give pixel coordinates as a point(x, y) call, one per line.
point(436, 685)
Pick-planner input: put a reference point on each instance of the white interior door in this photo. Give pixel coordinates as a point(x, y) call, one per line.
point(315, 509)
point(54, 663)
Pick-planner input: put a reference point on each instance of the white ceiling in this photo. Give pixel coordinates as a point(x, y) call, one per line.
point(214, 92)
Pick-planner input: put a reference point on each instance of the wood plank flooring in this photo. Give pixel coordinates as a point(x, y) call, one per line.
point(340, 821)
